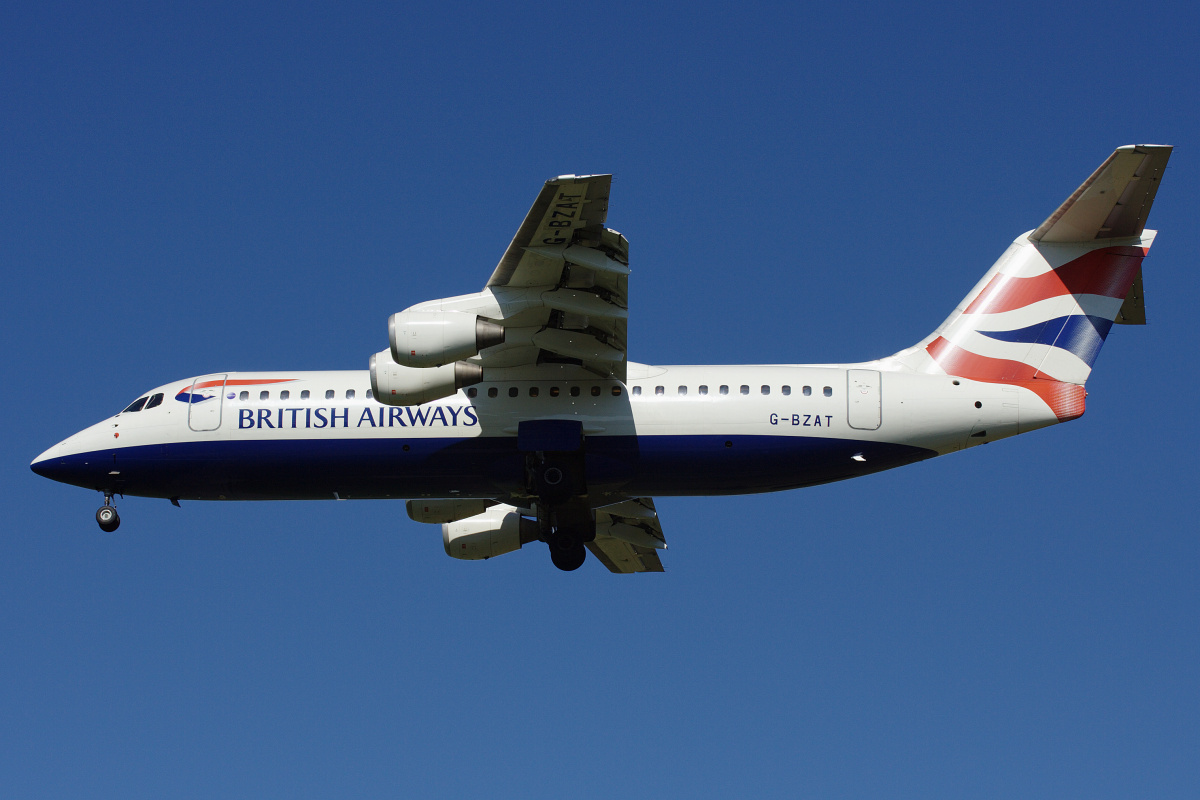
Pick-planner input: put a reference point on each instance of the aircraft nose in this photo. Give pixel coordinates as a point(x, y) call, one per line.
point(68, 462)
point(49, 464)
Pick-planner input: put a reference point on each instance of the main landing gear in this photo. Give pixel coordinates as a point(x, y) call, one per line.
point(564, 516)
point(554, 474)
point(106, 516)
point(567, 555)
point(565, 530)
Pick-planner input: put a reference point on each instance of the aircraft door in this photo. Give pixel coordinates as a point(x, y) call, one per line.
point(863, 399)
point(205, 399)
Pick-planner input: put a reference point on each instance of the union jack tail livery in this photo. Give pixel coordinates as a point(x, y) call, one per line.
point(1041, 313)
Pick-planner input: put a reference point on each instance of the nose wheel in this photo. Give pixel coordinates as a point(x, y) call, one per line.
point(106, 516)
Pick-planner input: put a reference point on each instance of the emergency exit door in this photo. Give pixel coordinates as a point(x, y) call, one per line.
point(863, 399)
point(205, 399)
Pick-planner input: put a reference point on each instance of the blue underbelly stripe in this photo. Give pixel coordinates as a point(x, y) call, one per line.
point(478, 466)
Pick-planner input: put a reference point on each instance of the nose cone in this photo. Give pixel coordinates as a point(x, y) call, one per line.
point(76, 460)
point(52, 464)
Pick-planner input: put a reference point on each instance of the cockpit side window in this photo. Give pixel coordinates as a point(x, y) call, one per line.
point(136, 405)
point(155, 399)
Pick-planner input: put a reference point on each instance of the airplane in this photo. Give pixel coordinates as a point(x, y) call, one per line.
point(513, 415)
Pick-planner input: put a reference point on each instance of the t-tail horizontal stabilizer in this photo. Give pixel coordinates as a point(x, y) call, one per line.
point(1114, 202)
point(1040, 315)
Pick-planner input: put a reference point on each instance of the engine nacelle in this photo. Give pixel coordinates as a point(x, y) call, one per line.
point(501, 529)
point(434, 338)
point(397, 385)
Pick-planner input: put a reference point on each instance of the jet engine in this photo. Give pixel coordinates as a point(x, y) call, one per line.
point(434, 338)
point(397, 385)
point(501, 529)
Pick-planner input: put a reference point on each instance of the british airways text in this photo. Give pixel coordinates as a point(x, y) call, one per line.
point(370, 417)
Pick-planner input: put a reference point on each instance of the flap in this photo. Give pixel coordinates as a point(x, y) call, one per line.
point(628, 537)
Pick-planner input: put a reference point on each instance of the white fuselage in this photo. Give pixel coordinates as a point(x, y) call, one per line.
point(679, 430)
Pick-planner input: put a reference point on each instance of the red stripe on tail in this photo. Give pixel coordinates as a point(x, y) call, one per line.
point(1108, 272)
point(1066, 400)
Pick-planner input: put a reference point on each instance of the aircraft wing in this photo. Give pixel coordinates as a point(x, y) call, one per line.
point(566, 276)
point(629, 536)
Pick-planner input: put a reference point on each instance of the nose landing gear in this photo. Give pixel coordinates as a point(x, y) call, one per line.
point(106, 516)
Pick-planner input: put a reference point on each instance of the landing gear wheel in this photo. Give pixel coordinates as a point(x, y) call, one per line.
point(567, 556)
point(107, 519)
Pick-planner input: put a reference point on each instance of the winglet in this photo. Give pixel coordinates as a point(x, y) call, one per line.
point(1114, 202)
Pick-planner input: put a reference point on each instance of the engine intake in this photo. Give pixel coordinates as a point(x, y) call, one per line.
point(397, 385)
point(434, 338)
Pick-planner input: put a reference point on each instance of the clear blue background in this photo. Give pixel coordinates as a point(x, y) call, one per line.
point(190, 189)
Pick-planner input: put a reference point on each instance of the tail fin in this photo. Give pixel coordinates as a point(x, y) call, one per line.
point(1040, 315)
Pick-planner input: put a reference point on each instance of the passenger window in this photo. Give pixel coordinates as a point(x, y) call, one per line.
point(829, 391)
point(264, 395)
point(786, 390)
point(493, 391)
point(703, 389)
point(637, 391)
point(512, 391)
point(285, 394)
point(574, 391)
point(533, 391)
point(154, 400)
point(349, 394)
point(766, 389)
point(595, 391)
point(745, 389)
point(304, 395)
point(369, 395)
point(658, 390)
point(244, 396)
point(724, 389)
point(472, 392)
point(136, 405)
point(554, 391)
point(682, 390)
point(616, 391)
point(329, 394)
point(807, 391)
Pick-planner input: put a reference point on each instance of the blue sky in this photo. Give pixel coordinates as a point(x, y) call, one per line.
point(237, 188)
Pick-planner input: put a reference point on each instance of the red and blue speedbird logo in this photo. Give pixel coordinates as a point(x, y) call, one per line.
point(191, 394)
point(187, 397)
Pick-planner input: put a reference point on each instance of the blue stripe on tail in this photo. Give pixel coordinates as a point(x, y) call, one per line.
point(1078, 334)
